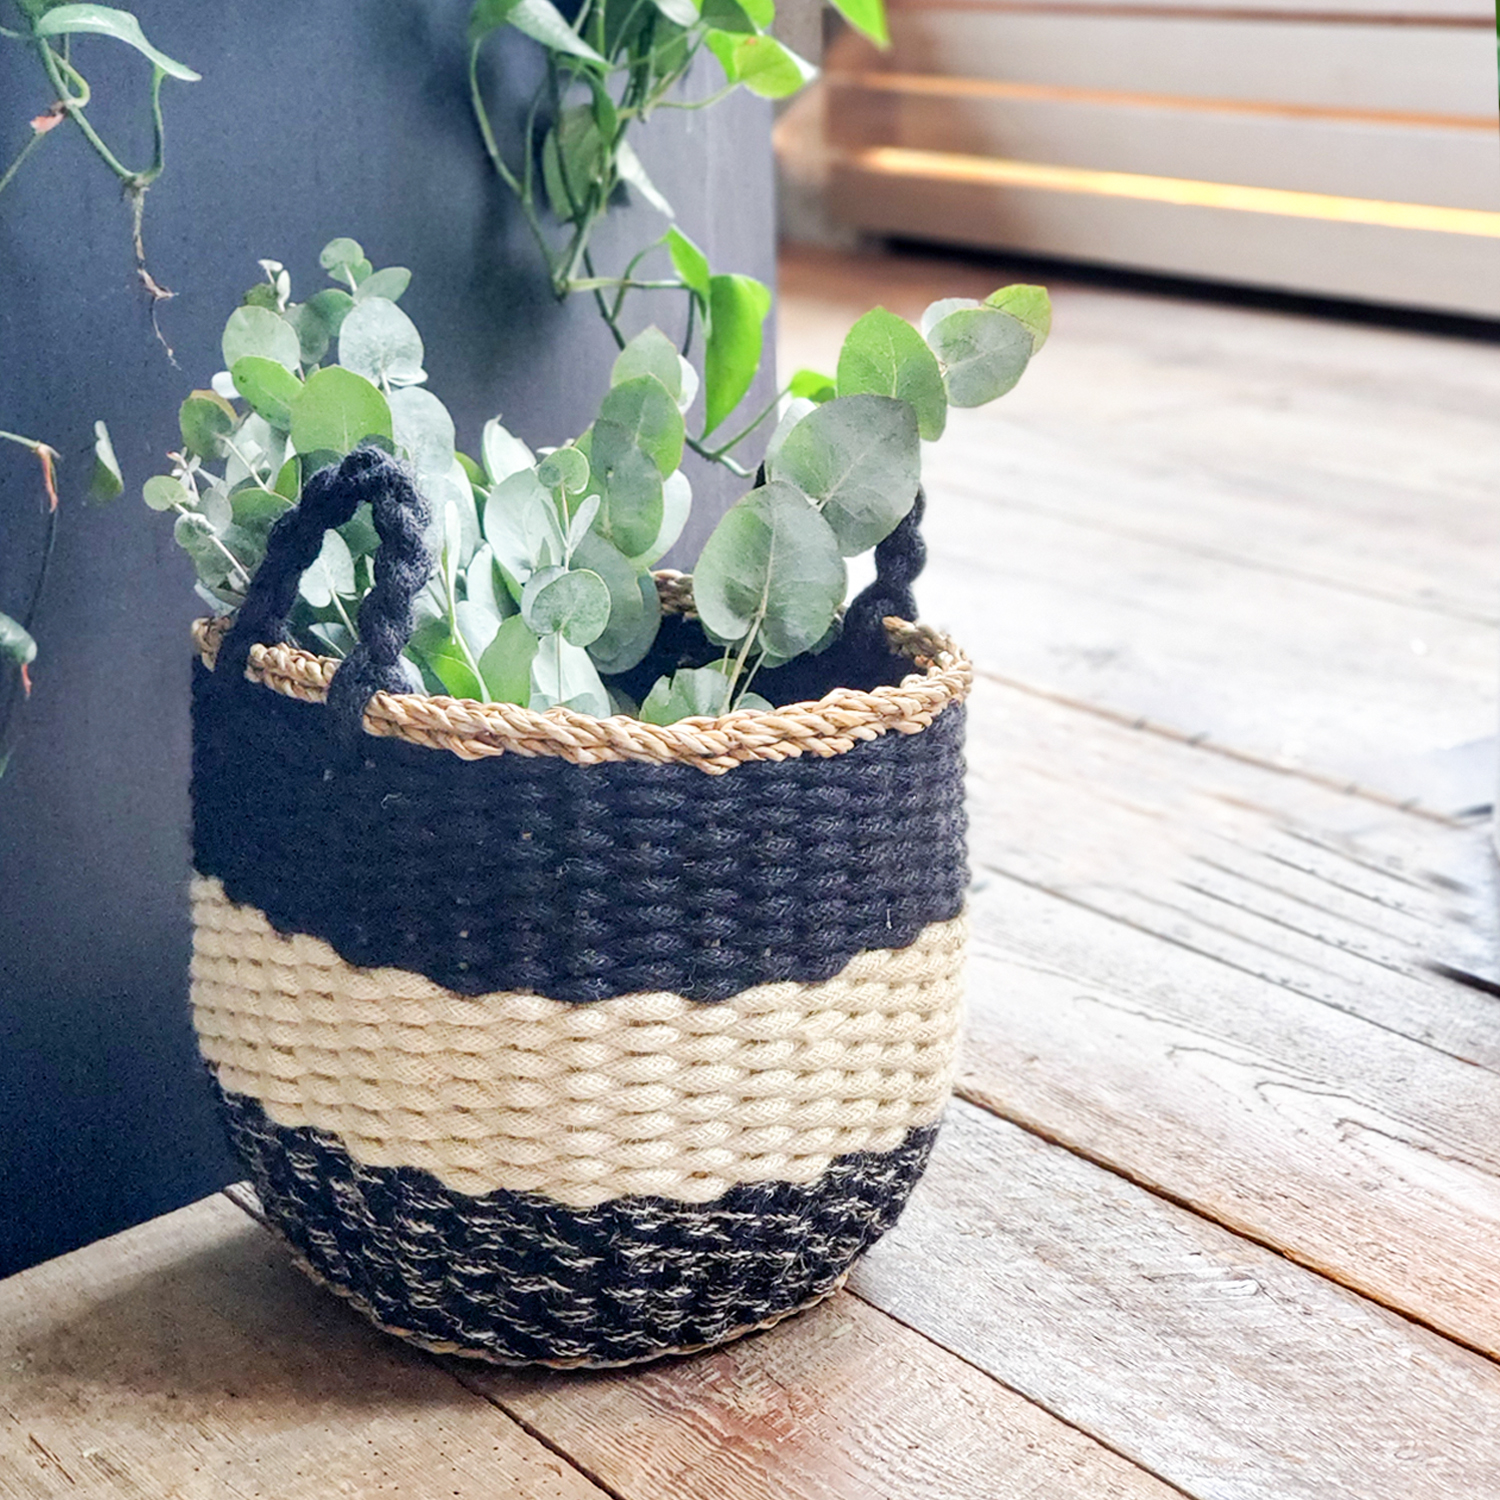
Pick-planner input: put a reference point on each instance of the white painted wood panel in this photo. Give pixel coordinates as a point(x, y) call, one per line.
point(1420, 69)
point(1413, 268)
point(1384, 159)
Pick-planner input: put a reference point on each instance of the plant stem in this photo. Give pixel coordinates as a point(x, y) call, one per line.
point(722, 459)
point(38, 588)
point(718, 453)
point(37, 137)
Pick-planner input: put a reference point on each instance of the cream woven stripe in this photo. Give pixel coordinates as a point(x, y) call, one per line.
point(646, 1093)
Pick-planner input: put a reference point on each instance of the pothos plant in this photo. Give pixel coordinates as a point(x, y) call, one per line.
point(543, 595)
point(48, 28)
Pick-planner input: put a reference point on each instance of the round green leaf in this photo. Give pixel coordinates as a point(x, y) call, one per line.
point(650, 353)
point(332, 572)
point(642, 413)
point(162, 492)
point(574, 605)
point(884, 355)
point(631, 489)
point(258, 331)
point(270, 389)
point(506, 663)
point(377, 340)
point(205, 419)
point(984, 353)
point(336, 411)
point(772, 567)
point(635, 605)
point(859, 459)
point(565, 469)
point(937, 311)
point(339, 254)
point(1028, 304)
point(389, 283)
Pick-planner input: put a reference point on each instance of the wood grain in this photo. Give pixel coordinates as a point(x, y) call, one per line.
point(187, 1358)
point(840, 1404)
point(1220, 1366)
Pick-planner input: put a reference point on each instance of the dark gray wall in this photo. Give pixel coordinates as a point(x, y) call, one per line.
point(314, 118)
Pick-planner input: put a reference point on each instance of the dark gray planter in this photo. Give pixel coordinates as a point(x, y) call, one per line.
point(313, 119)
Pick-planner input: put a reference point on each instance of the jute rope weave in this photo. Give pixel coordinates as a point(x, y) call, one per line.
point(642, 1094)
point(832, 725)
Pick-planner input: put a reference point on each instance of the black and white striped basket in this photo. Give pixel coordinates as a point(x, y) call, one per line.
point(554, 1039)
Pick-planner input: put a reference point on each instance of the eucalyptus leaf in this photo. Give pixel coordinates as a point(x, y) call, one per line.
point(389, 283)
point(258, 331)
point(564, 469)
point(883, 355)
point(581, 520)
point(106, 482)
point(506, 663)
point(631, 489)
point(565, 674)
point(859, 459)
point(574, 604)
point(336, 411)
point(1029, 305)
point(772, 568)
point(644, 410)
point(505, 525)
point(206, 419)
point(683, 12)
point(340, 254)
point(377, 340)
point(478, 624)
point(502, 453)
point(796, 408)
point(483, 584)
point(937, 311)
point(163, 492)
point(984, 353)
point(270, 389)
point(737, 310)
point(332, 572)
point(212, 563)
point(676, 504)
point(634, 609)
point(105, 20)
point(812, 385)
point(650, 352)
point(423, 430)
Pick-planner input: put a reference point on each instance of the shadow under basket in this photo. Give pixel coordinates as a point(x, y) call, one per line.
point(550, 1039)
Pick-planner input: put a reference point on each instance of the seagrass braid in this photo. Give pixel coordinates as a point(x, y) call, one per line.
point(403, 563)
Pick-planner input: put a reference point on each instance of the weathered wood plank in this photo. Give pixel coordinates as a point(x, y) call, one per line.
point(842, 1403)
point(1370, 1158)
point(1284, 880)
point(187, 1358)
point(1221, 1366)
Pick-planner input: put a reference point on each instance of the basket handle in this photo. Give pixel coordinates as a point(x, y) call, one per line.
point(403, 565)
point(899, 559)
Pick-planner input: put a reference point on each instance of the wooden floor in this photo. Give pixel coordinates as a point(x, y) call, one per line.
point(1217, 1213)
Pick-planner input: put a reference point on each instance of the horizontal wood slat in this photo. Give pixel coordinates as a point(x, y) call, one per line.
point(1410, 69)
point(1220, 1366)
point(1375, 162)
point(1412, 268)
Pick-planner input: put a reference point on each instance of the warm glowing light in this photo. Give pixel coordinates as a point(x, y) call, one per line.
point(945, 166)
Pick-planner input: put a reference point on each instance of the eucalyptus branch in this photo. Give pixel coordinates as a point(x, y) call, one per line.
point(739, 437)
point(37, 137)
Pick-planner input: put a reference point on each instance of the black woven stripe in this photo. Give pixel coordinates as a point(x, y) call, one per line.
point(575, 882)
point(518, 1277)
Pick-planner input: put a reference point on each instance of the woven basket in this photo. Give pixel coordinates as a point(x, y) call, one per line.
point(552, 1039)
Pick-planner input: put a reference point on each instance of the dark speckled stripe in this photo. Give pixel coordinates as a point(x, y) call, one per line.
point(517, 1277)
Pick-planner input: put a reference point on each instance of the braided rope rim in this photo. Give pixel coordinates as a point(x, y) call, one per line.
point(832, 725)
point(464, 1351)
